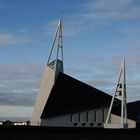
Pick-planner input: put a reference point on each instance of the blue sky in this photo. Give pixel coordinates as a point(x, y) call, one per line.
point(97, 34)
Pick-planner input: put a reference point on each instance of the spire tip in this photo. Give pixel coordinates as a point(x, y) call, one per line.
point(60, 14)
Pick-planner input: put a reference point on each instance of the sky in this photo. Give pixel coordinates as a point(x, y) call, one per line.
point(97, 35)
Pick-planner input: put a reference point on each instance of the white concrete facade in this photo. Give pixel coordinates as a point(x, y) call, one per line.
point(92, 118)
point(45, 89)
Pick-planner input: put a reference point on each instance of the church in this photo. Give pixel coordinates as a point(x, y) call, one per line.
point(64, 101)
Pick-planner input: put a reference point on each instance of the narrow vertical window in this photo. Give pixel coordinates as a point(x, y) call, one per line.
point(79, 117)
point(71, 117)
point(103, 115)
point(87, 117)
point(95, 115)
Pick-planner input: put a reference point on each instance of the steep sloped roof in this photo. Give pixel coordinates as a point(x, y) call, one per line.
point(69, 95)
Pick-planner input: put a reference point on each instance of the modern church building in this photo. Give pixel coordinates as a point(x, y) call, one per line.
point(67, 102)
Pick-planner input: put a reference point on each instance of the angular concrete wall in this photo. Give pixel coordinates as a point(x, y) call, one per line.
point(50, 76)
point(45, 89)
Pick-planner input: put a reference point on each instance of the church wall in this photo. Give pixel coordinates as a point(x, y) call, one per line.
point(92, 118)
point(48, 79)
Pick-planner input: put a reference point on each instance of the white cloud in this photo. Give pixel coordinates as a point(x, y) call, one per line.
point(93, 14)
point(106, 10)
point(107, 4)
point(73, 70)
point(102, 15)
point(135, 30)
point(19, 84)
point(10, 111)
point(8, 39)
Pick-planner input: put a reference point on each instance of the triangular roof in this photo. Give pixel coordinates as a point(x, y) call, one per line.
point(69, 95)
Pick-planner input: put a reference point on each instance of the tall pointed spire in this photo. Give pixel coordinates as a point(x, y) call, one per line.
point(56, 53)
point(52, 69)
point(120, 92)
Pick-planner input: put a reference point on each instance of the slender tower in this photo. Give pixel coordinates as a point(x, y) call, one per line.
point(120, 91)
point(52, 69)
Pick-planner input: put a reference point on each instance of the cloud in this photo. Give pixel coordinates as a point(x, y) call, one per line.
point(21, 36)
point(8, 112)
point(106, 4)
point(108, 10)
point(93, 14)
point(73, 28)
point(19, 84)
point(8, 39)
point(133, 31)
point(75, 70)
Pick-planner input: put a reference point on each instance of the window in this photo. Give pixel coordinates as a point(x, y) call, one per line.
point(103, 115)
point(95, 115)
point(83, 124)
point(75, 124)
point(79, 117)
point(99, 124)
point(91, 124)
point(87, 116)
point(71, 118)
